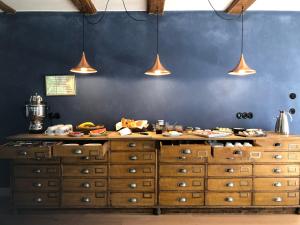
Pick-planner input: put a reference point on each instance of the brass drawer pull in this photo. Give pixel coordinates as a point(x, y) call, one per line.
point(186, 151)
point(86, 185)
point(278, 156)
point(39, 200)
point(230, 184)
point(86, 199)
point(182, 171)
point(132, 145)
point(133, 157)
point(182, 158)
point(85, 171)
point(85, 158)
point(132, 170)
point(132, 186)
point(37, 185)
point(182, 184)
point(238, 152)
point(277, 144)
point(229, 170)
point(77, 152)
point(182, 200)
point(229, 199)
point(277, 199)
point(277, 184)
point(276, 170)
point(132, 200)
point(36, 171)
point(23, 153)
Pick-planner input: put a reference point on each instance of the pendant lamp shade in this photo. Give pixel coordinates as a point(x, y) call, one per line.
point(83, 66)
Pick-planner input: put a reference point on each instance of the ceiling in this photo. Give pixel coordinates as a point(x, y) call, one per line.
point(140, 5)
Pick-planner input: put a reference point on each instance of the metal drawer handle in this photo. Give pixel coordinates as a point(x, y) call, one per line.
point(133, 157)
point(238, 152)
point(182, 184)
point(182, 199)
point(277, 144)
point(38, 200)
point(182, 170)
point(229, 199)
point(36, 171)
point(276, 170)
point(23, 153)
point(229, 170)
point(182, 157)
point(133, 186)
point(132, 200)
point(278, 157)
point(186, 151)
point(277, 199)
point(230, 184)
point(277, 184)
point(37, 185)
point(85, 171)
point(86, 199)
point(77, 152)
point(132, 170)
point(132, 145)
point(86, 185)
point(85, 158)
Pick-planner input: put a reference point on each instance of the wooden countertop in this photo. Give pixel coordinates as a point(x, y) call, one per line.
point(136, 136)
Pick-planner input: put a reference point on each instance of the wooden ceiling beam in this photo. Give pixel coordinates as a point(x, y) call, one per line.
point(85, 6)
point(236, 6)
point(6, 8)
point(155, 6)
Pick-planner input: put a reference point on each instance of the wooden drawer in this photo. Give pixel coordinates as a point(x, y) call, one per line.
point(185, 153)
point(128, 185)
point(181, 184)
point(244, 184)
point(228, 199)
point(279, 157)
point(132, 199)
point(39, 200)
point(37, 171)
point(84, 185)
point(37, 161)
point(229, 170)
point(76, 150)
point(132, 171)
point(28, 184)
point(80, 200)
point(84, 171)
point(280, 144)
point(179, 199)
point(84, 159)
point(276, 184)
point(132, 145)
point(276, 170)
point(182, 170)
point(132, 157)
point(279, 199)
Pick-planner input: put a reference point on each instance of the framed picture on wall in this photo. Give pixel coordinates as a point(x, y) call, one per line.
point(60, 85)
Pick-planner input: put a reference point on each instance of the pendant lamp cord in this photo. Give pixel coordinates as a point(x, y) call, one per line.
point(242, 46)
point(83, 32)
point(157, 32)
point(221, 16)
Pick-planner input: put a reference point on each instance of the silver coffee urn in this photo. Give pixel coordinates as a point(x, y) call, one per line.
point(36, 113)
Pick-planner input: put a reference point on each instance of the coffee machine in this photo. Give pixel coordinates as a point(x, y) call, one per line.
point(36, 113)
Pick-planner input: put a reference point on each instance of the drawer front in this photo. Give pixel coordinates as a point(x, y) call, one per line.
point(128, 185)
point(36, 200)
point(181, 184)
point(276, 184)
point(279, 157)
point(98, 199)
point(182, 170)
point(229, 184)
point(132, 145)
point(37, 161)
point(178, 199)
point(276, 170)
point(85, 171)
point(84, 159)
point(132, 157)
point(185, 153)
point(229, 170)
point(36, 171)
point(28, 184)
point(280, 144)
point(132, 199)
point(273, 199)
point(61, 150)
point(84, 185)
point(132, 171)
point(228, 199)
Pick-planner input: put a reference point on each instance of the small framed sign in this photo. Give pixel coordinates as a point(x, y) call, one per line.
point(62, 85)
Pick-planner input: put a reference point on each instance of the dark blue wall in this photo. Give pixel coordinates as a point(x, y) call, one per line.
point(198, 47)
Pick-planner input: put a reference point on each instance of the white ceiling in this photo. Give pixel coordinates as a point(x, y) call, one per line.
point(140, 5)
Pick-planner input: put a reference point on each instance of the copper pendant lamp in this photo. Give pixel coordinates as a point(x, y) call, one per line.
point(157, 69)
point(242, 69)
point(83, 66)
